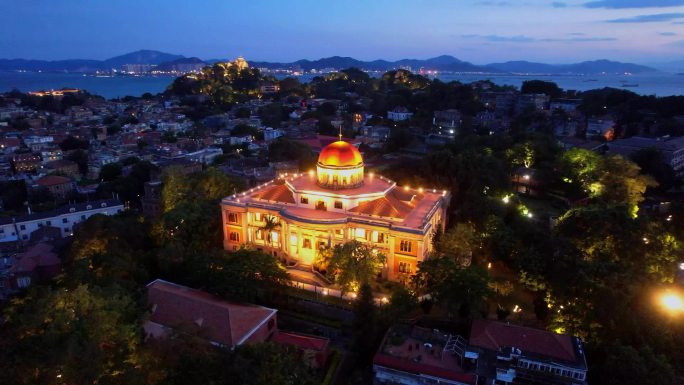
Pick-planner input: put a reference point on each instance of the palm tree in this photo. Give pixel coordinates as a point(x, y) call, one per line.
point(271, 224)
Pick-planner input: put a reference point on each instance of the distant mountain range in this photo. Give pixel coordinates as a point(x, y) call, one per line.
point(439, 63)
point(81, 65)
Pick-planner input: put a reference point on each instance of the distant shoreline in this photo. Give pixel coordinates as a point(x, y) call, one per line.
point(120, 85)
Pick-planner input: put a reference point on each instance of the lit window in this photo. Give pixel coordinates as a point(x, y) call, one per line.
point(338, 205)
point(232, 217)
point(360, 233)
point(339, 232)
point(378, 237)
point(405, 267)
point(274, 236)
point(405, 246)
point(259, 234)
point(293, 240)
point(258, 217)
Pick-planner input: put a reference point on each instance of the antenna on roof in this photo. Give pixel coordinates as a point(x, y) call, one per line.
point(340, 132)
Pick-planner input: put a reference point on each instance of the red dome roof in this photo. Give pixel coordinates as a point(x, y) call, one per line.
point(340, 154)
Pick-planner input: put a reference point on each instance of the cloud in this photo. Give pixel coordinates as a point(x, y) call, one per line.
point(660, 17)
point(622, 4)
point(558, 4)
point(587, 39)
point(498, 38)
point(528, 39)
point(667, 34)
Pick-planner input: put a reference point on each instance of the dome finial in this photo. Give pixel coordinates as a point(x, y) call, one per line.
point(340, 132)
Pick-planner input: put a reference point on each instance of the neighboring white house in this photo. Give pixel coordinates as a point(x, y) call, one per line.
point(567, 105)
point(399, 113)
point(672, 148)
point(272, 134)
point(235, 140)
point(205, 156)
point(64, 218)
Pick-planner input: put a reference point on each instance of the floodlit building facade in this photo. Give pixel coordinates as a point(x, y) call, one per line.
point(294, 216)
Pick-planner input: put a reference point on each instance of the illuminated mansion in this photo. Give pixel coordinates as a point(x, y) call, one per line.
point(294, 216)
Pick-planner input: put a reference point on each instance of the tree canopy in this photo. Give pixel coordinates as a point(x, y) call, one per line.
point(351, 264)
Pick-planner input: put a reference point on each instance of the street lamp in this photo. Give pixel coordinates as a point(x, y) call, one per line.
point(672, 302)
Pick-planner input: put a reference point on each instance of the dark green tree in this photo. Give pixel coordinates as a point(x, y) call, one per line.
point(365, 325)
point(110, 172)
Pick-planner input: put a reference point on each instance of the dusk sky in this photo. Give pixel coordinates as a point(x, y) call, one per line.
point(641, 31)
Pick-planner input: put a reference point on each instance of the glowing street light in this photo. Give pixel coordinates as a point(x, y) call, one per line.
point(672, 302)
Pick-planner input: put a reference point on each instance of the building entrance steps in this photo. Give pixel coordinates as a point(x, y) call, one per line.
point(302, 267)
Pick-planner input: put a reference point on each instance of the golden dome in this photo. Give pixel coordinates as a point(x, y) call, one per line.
point(340, 154)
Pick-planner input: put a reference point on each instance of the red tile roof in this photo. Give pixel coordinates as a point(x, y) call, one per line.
point(39, 255)
point(10, 142)
point(227, 323)
point(301, 341)
point(52, 180)
point(321, 141)
point(495, 335)
point(396, 204)
point(278, 193)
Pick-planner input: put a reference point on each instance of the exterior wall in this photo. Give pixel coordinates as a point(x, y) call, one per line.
point(155, 330)
point(61, 190)
point(399, 116)
point(387, 376)
point(299, 241)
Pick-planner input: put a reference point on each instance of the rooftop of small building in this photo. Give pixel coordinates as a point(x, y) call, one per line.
point(225, 322)
point(420, 350)
point(533, 343)
point(402, 206)
point(639, 142)
point(52, 180)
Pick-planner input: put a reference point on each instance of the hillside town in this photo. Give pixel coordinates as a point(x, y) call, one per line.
point(399, 230)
